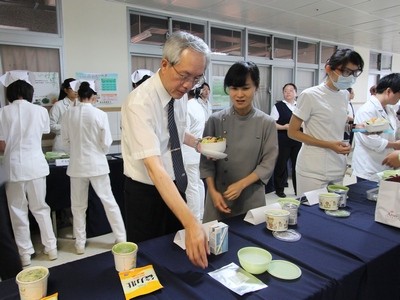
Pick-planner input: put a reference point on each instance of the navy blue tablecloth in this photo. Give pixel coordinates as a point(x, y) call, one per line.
point(95, 277)
point(340, 258)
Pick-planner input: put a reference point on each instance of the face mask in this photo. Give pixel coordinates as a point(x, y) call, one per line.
point(344, 83)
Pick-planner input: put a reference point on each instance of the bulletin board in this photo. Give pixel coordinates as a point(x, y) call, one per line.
point(46, 88)
point(106, 86)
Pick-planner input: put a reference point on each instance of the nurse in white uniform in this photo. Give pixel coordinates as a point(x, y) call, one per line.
point(86, 129)
point(322, 112)
point(22, 125)
point(66, 99)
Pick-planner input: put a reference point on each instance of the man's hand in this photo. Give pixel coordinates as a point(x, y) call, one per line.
point(392, 160)
point(197, 245)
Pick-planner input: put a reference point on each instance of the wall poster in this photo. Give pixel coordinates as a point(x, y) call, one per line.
point(106, 86)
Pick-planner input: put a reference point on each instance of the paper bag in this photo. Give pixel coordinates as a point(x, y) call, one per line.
point(387, 209)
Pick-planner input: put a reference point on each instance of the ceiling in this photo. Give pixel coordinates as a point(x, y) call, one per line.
point(373, 24)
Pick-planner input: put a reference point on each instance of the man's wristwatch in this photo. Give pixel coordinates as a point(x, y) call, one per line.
point(196, 145)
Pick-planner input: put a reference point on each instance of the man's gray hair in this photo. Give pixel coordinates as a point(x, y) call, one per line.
point(181, 40)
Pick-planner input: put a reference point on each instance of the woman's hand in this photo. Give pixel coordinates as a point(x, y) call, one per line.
point(219, 202)
point(340, 147)
point(233, 191)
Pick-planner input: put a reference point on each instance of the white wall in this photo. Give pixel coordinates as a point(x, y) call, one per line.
point(396, 63)
point(96, 40)
point(361, 88)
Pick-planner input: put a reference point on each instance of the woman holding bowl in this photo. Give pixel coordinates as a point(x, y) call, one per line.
point(235, 183)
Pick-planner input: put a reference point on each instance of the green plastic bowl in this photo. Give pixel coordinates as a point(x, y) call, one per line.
point(283, 201)
point(333, 188)
point(254, 260)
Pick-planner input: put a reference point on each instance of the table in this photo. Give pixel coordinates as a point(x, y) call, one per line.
point(340, 258)
point(58, 195)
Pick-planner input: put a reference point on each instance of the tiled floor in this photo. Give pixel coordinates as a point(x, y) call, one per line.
point(66, 247)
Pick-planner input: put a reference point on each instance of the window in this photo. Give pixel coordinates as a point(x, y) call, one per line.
point(226, 41)
point(326, 52)
point(195, 29)
point(259, 45)
point(148, 30)
point(380, 62)
point(385, 62)
point(374, 61)
point(306, 53)
point(24, 15)
point(283, 48)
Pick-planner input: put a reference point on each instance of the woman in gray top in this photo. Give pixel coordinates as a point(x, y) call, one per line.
point(235, 184)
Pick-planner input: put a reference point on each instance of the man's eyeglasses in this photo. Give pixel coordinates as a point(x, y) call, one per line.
point(198, 80)
point(346, 72)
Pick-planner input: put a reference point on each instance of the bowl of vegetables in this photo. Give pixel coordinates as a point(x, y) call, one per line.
point(213, 144)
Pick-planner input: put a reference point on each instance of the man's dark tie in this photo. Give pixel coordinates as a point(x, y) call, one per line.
point(176, 153)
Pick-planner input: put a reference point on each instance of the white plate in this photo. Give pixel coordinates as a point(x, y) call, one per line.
point(284, 269)
point(214, 154)
point(289, 235)
point(340, 213)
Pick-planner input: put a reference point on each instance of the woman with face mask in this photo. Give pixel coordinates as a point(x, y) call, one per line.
point(322, 112)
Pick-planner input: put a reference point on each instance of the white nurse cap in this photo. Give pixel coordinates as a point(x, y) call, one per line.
point(12, 76)
point(139, 74)
point(77, 83)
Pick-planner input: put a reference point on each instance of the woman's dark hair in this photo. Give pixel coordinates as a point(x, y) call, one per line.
point(85, 91)
point(191, 94)
point(238, 72)
point(144, 78)
point(290, 83)
point(198, 89)
point(19, 89)
point(65, 85)
point(205, 84)
point(342, 57)
point(391, 81)
point(372, 90)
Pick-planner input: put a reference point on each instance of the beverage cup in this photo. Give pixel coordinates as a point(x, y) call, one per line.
point(277, 219)
point(329, 201)
point(346, 142)
point(125, 254)
point(32, 283)
point(341, 191)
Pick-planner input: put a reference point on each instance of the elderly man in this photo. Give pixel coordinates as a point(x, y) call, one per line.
point(153, 130)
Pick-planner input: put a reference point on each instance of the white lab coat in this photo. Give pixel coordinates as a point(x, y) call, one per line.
point(370, 150)
point(86, 128)
point(87, 131)
point(22, 125)
point(56, 113)
point(23, 157)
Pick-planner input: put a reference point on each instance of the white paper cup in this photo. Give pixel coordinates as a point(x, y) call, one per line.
point(125, 256)
point(32, 283)
point(277, 219)
point(329, 201)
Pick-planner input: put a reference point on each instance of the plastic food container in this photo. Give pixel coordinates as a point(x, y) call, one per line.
point(277, 219)
point(254, 260)
point(373, 194)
